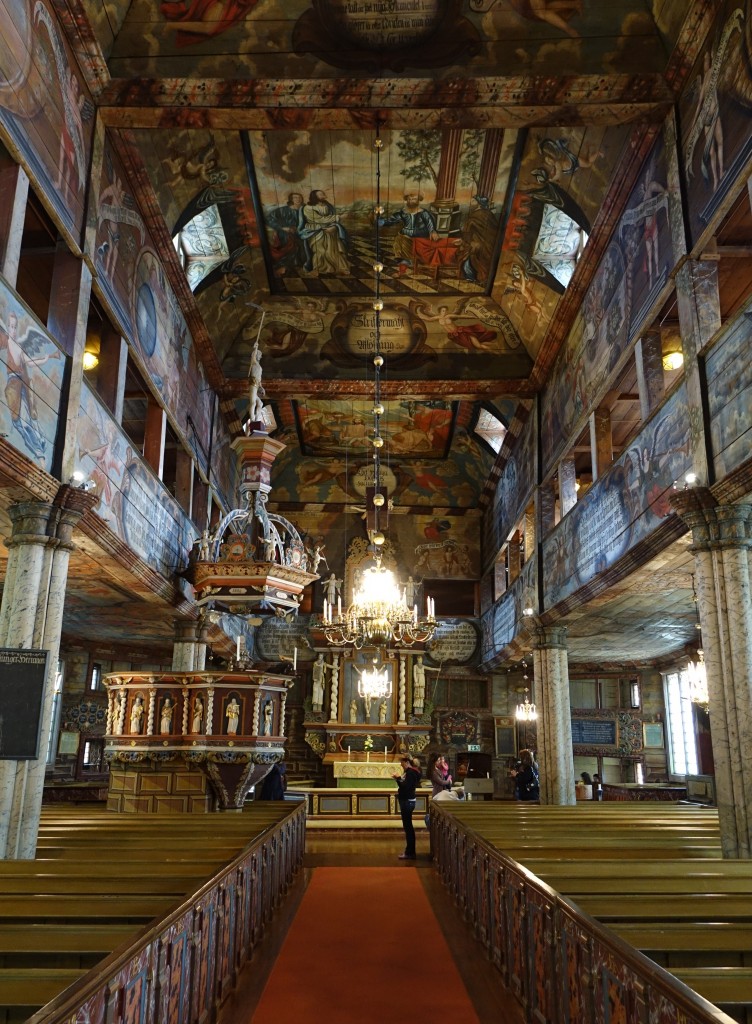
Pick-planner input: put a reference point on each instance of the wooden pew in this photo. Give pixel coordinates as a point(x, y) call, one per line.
point(656, 878)
point(99, 880)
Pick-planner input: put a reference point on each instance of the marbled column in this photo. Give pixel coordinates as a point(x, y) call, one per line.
point(555, 754)
point(721, 543)
point(31, 617)
point(402, 689)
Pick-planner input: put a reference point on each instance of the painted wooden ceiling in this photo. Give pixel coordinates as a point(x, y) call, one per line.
point(513, 130)
point(509, 134)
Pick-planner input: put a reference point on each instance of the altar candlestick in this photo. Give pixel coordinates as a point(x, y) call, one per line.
point(384, 755)
point(348, 753)
point(325, 604)
point(339, 607)
point(295, 659)
point(237, 650)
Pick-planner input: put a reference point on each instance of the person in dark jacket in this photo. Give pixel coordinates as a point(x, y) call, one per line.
point(525, 774)
point(275, 783)
point(407, 783)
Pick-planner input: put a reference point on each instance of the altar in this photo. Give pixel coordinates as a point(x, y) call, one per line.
point(365, 774)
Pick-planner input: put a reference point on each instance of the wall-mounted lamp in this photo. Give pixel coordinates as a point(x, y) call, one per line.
point(528, 612)
point(673, 360)
point(81, 481)
point(90, 360)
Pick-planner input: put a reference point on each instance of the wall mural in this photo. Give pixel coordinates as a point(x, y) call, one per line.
point(44, 106)
point(729, 376)
point(133, 281)
point(623, 506)
point(135, 505)
point(714, 115)
point(629, 282)
point(31, 375)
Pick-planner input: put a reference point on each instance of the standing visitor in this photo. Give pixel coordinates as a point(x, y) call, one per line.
point(407, 783)
point(525, 775)
point(440, 777)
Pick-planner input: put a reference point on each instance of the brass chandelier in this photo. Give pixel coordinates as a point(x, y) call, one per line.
point(379, 613)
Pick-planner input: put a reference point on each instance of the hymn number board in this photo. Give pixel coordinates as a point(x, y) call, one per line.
point(22, 675)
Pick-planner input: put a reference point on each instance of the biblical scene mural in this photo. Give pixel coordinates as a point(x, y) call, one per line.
point(714, 115)
point(623, 506)
point(440, 199)
point(135, 505)
point(134, 281)
point(52, 125)
point(629, 283)
point(31, 374)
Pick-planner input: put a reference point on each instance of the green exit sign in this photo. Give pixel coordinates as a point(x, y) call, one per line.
point(473, 748)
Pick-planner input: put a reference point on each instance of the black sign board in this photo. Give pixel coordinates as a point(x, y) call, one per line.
point(594, 732)
point(22, 675)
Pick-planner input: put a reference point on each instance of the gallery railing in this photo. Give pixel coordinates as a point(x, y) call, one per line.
point(185, 965)
point(562, 965)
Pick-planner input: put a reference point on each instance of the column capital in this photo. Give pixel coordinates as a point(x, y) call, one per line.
point(550, 637)
point(712, 525)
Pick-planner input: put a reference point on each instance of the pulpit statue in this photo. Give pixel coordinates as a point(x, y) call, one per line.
point(198, 715)
point(268, 713)
point(137, 714)
point(232, 714)
point(165, 719)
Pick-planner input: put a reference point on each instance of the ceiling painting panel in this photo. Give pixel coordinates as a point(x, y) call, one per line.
point(297, 37)
point(408, 427)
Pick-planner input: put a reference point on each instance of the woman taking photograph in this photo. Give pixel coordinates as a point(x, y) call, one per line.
point(407, 783)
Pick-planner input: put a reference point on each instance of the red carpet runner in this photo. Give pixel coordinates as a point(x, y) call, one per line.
point(363, 948)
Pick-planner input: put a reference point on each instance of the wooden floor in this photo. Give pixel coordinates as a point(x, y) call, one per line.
point(368, 849)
